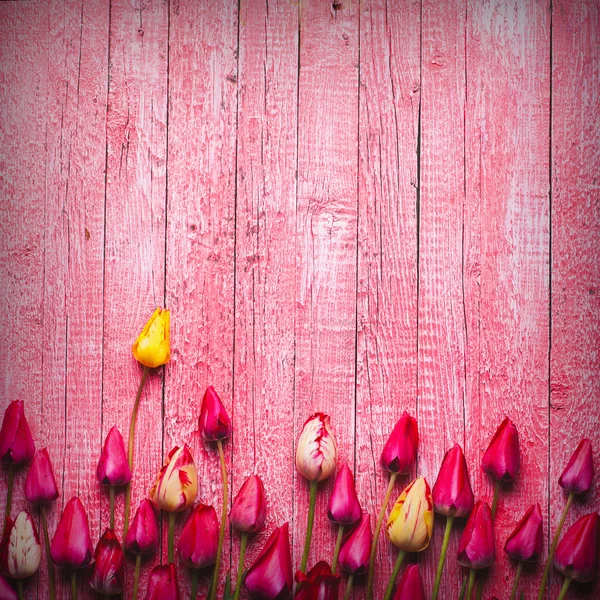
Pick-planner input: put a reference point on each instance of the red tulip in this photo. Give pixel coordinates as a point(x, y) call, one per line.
point(525, 543)
point(410, 586)
point(7, 592)
point(318, 584)
point(40, 486)
point(270, 577)
point(476, 549)
point(108, 574)
point(501, 460)
point(20, 551)
point(197, 545)
point(162, 584)
point(142, 535)
point(71, 546)
point(400, 451)
point(452, 495)
point(354, 553)
point(214, 422)
point(577, 476)
point(113, 466)
point(344, 507)
point(16, 443)
point(316, 453)
point(249, 509)
point(577, 553)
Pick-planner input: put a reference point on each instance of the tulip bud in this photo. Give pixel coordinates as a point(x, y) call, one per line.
point(16, 443)
point(270, 577)
point(7, 592)
point(354, 553)
point(249, 510)
point(525, 543)
point(578, 474)
point(410, 523)
point(476, 549)
point(316, 454)
point(113, 467)
point(108, 574)
point(176, 486)
point(197, 546)
point(577, 553)
point(344, 507)
point(152, 347)
point(162, 584)
point(214, 422)
point(318, 584)
point(410, 586)
point(501, 460)
point(452, 495)
point(20, 551)
point(40, 485)
point(142, 535)
point(400, 451)
point(71, 546)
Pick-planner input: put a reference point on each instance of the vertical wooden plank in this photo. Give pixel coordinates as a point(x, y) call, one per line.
point(506, 254)
point(575, 361)
point(326, 229)
point(265, 267)
point(200, 229)
point(387, 260)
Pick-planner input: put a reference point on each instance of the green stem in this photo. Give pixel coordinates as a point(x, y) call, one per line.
point(194, 590)
point(442, 560)
point(111, 493)
point(382, 512)
point(309, 525)
point(463, 589)
point(513, 593)
point(336, 552)
point(171, 536)
point(136, 577)
point(565, 588)
point(349, 586)
point(495, 500)
point(20, 589)
point(472, 575)
point(11, 477)
point(240, 572)
point(73, 585)
point(213, 590)
point(390, 587)
point(553, 547)
point(51, 584)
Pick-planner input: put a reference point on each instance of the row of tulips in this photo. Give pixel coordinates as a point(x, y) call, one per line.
point(409, 525)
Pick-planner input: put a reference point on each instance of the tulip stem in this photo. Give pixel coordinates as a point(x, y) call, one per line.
point(240, 572)
point(553, 547)
point(194, 589)
point(20, 589)
point(11, 477)
point(309, 525)
point(136, 577)
point(51, 584)
point(463, 589)
point(73, 585)
point(390, 587)
point(384, 507)
point(171, 536)
point(111, 494)
point(336, 552)
point(349, 586)
point(213, 589)
point(565, 588)
point(495, 500)
point(513, 593)
point(442, 560)
point(472, 575)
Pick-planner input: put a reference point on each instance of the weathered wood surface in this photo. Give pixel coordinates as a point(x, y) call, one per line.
point(359, 208)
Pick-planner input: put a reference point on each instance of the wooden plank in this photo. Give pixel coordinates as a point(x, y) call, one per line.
point(574, 365)
point(387, 263)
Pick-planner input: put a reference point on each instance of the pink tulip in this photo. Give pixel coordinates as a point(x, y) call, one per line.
point(71, 546)
point(197, 545)
point(113, 466)
point(16, 443)
point(578, 474)
point(502, 458)
point(108, 574)
point(400, 451)
point(214, 422)
point(318, 584)
point(143, 536)
point(249, 509)
point(525, 543)
point(354, 553)
point(476, 548)
point(40, 485)
point(452, 495)
point(7, 592)
point(316, 453)
point(176, 485)
point(343, 507)
point(577, 553)
point(270, 577)
point(410, 586)
point(20, 551)
point(162, 584)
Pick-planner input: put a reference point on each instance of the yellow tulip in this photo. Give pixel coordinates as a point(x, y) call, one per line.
point(152, 348)
point(410, 523)
point(176, 486)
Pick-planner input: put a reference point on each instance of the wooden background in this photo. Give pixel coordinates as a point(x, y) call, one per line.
point(355, 208)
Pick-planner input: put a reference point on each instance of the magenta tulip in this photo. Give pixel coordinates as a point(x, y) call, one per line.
point(578, 474)
point(452, 495)
point(113, 467)
point(344, 507)
point(40, 485)
point(197, 545)
point(20, 550)
point(577, 553)
point(71, 546)
point(108, 574)
point(525, 543)
point(214, 422)
point(270, 577)
point(476, 548)
point(7, 592)
point(16, 443)
point(143, 535)
point(162, 584)
point(318, 584)
point(354, 553)
point(410, 586)
point(502, 458)
point(249, 508)
point(400, 451)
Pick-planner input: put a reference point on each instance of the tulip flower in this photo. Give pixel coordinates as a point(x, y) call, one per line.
point(162, 584)
point(452, 497)
point(270, 577)
point(7, 592)
point(318, 584)
point(20, 551)
point(316, 457)
point(355, 550)
point(108, 574)
point(411, 585)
